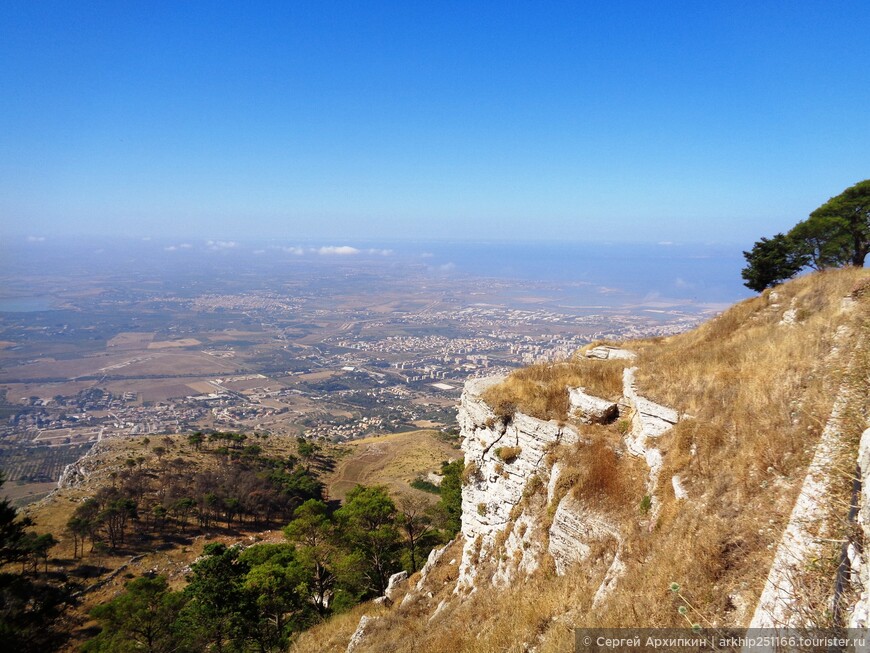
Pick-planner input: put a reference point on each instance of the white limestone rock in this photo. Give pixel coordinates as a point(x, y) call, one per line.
point(860, 617)
point(360, 632)
point(522, 551)
point(431, 561)
point(604, 352)
point(393, 584)
point(555, 470)
point(590, 408)
point(616, 569)
point(649, 419)
point(573, 530)
point(789, 318)
point(496, 487)
point(679, 491)
point(75, 474)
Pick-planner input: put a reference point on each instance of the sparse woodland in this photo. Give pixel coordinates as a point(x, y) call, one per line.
point(237, 598)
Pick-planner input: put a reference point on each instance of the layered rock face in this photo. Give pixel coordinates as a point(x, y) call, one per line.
point(501, 458)
point(509, 483)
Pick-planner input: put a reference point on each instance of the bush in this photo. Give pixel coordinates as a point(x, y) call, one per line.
point(508, 454)
point(420, 483)
point(470, 473)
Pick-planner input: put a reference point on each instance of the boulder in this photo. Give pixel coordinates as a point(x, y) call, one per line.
point(360, 632)
point(393, 584)
point(591, 409)
point(604, 352)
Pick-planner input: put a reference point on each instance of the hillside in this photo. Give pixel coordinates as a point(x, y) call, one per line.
point(190, 491)
point(710, 471)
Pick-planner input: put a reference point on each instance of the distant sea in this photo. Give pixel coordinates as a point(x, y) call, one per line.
point(693, 273)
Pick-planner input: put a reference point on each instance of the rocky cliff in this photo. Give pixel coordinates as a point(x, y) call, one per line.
point(507, 517)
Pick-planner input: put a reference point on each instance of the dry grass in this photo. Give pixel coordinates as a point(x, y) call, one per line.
point(542, 390)
point(394, 460)
point(508, 454)
point(760, 392)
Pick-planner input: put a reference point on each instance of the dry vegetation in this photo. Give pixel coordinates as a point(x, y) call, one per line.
point(393, 460)
point(756, 394)
point(542, 390)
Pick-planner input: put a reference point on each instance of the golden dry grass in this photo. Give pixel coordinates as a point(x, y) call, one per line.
point(393, 460)
point(542, 390)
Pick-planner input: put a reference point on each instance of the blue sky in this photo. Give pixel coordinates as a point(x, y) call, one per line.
point(586, 121)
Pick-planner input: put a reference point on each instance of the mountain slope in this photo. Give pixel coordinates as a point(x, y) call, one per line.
point(572, 523)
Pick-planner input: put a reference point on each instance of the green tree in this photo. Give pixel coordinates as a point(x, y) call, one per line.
point(771, 261)
point(834, 235)
point(312, 532)
point(841, 227)
point(35, 548)
point(218, 610)
point(450, 504)
point(415, 521)
point(12, 530)
point(307, 451)
point(181, 508)
point(78, 528)
point(276, 584)
point(87, 519)
point(29, 608)
point(140, 619)
point(368, 526)
point(819, 245)
point(115, 515)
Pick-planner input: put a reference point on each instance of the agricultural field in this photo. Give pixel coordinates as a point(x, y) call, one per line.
point(32, 472)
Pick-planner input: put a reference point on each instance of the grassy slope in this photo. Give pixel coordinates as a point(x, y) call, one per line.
point(759, 393)
point(393, 460)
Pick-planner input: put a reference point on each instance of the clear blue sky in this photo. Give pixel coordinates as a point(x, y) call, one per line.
point(632, 121)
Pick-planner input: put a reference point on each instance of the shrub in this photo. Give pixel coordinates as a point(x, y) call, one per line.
point(420, 483)
point(470, 473)
point(645, 504)
point(508, 454)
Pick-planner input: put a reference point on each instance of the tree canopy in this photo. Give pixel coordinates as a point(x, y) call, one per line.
point(834, 235)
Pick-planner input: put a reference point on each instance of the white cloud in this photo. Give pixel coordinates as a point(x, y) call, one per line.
point(380, 252)
point(296, 251)
point(36, 239)
point(173, 248)
point(259, 251)
point(682, 283)
point(340, 250)
point(665, 243)
point(216, 245)
point(447, 267)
